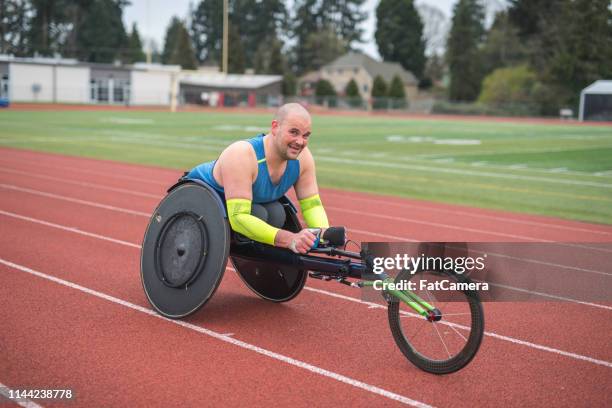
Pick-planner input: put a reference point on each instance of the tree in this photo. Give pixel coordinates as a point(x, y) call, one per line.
point(171, 39)
point(396, 88)
point(101, 34)
point(399, 34)
point(236, 62)
point(269, 58)
point(509, 85)
point(503, 46)
point(379, 93)
point(321, 48)
point(463, 50)
point(339, 18)
point(324, 88)
point(351, 91)
point(48, 26)
point(134, 51)
point(14, 26)
point(206, 30)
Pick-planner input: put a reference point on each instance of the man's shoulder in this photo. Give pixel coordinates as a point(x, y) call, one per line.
point(238, 153)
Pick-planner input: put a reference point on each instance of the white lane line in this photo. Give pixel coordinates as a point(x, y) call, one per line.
point(228, 339)
point(375, 305)
point(487, 333)
point(74, 200)
point(69, 229)
point(6, 392)
point(376, 201)
point(383, 202)
point(83, 184)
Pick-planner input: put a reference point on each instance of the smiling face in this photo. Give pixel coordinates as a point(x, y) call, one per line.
point(291, 132)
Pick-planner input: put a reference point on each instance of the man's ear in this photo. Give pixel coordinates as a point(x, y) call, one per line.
point(274, 128)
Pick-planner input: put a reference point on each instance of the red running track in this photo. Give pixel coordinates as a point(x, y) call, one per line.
point(75, 316)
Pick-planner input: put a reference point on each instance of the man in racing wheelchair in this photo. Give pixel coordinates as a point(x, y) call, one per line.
point(254, 174)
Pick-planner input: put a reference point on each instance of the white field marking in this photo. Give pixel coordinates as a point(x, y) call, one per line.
point(378, 155)
point(517, 166)
point(88, 171)
point(74, 200)
point(4, 391)
point(229, 128)
point(128, 121)
point(228, 339)
point(444, 160)
point(82, 183)
point(457, 142)
point(478, 163)
point(384, 202)
point(466, 172)
point(372, 305)
point(603, 173)
point(486, 333)
point(69, 229)
point(558, 170)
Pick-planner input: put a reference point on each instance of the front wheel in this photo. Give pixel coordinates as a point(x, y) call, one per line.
point(448, 342)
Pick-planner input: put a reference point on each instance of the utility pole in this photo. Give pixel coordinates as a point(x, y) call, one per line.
point(225, 36)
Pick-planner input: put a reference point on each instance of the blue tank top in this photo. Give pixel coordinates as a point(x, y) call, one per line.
point(264, 190)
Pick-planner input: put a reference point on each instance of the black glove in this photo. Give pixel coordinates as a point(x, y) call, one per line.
point(335, 236)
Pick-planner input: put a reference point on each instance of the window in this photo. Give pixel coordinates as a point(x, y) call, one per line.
point(99, 90)
point(365, 88)
point(356, 70)
point(340, 70)
point(121, 90)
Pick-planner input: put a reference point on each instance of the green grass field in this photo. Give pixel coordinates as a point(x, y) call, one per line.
point(555, 170)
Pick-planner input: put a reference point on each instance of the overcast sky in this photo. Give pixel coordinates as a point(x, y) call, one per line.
point(152, 17)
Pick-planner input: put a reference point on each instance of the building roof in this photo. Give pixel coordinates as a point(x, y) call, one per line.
point(387, 70)
point(599, 87)
point(220, 80)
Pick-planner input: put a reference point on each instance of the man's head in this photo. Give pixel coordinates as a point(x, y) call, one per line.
point(290, 130)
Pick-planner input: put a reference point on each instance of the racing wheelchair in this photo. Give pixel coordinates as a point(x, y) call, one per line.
point(188, 242)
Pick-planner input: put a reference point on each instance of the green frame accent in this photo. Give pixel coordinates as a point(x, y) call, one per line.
point(407, 296)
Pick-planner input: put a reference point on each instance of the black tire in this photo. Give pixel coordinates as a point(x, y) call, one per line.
point(461, 311)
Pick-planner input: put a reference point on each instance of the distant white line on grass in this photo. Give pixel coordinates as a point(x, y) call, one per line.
point(558, 170)
point(517, 166)
point(4, 390)
point(81, 183)
point(370, 305)
point(228, 339)
point(466, 172)
point(73, 200)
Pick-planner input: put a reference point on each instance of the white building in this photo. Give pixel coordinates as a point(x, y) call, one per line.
point(596, 101)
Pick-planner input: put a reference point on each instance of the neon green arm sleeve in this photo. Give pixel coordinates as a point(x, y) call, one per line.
point(314, 213)
point(241, 220)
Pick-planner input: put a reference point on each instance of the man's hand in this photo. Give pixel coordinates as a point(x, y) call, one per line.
point(302, 241)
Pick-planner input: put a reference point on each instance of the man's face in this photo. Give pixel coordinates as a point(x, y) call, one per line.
point(291, 135)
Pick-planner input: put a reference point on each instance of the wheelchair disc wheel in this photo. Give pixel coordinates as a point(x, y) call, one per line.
point(438, 346)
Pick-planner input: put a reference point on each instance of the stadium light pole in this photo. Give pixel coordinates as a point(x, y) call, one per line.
point(225, 36)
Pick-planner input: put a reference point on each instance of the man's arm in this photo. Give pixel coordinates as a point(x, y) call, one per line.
point(307, 192)
point(238, 167)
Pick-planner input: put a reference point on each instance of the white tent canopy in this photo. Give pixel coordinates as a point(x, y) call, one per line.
point(596, 101)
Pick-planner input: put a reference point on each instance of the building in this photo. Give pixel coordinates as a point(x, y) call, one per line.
point(57, 80)
point(219, 89)
point(363, 69)
point(596, 101)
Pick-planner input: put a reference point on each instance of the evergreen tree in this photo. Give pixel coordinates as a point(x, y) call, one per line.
point(351, 91)
point(396, 88)
point(379, 93)
point(503, 47)
point(171, 39)
point(399, 34)
point(324, 88)
point(269, 58)
point(289, 84)
point(320, 48)
point(236, 62)
point(134, 51)
point(48, 26)
point(463, 50)
point(182, 52)
point(101, 34)
point(339, 18)
point(14, 26)
point(206, 30)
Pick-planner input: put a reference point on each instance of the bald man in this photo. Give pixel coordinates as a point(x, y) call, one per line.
point(253, 174)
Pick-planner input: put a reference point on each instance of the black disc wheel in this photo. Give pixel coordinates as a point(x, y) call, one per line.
point(449, 337)
point(185, 250)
